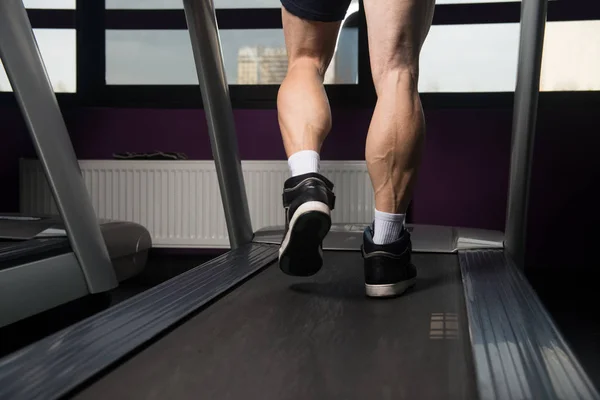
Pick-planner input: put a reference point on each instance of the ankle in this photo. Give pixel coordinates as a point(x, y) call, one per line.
point(388, 227)
point(304, 162)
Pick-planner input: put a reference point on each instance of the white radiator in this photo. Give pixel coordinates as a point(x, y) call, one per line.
point(179, 201)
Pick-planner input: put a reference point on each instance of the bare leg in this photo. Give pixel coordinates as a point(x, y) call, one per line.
point(305, 121)
point(302, 104)
point(397, 30)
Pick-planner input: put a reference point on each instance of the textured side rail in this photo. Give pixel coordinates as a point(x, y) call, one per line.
point(518, 351)
point(59, 363)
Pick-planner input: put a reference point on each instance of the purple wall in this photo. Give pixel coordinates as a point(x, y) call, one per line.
point(459, 158)
point(98, 133)
point(463, 180)
point(464, 174)
point(14, 144)
point(563, 216)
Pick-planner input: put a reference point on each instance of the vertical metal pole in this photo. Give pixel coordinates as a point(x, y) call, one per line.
point(27, 75)
point(533, 22)
point(206, 45)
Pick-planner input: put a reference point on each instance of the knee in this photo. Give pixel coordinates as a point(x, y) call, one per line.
point(397, 69)
point(308, 63)
point(403, 77)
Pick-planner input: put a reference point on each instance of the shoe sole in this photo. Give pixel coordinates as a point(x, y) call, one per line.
point(300, 253)
point(390, 289)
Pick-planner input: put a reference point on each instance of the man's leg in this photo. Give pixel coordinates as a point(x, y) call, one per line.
point(311, 29)
point(302, 104)
point(397, 30)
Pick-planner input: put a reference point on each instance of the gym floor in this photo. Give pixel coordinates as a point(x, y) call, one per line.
point(569, 300)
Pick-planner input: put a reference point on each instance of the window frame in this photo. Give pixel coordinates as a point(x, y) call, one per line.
point(51, 19)
point(92, 90)
point(188, 96)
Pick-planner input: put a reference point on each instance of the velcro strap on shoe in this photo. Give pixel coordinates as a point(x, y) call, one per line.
point(289, 194)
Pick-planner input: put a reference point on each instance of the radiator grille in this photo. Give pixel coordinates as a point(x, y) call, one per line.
point(179, 201)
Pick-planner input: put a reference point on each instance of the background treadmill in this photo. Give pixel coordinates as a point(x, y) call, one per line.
point(37, 274)
point(39, 271)
point(238, 328)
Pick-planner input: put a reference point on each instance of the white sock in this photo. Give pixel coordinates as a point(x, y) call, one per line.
point(388, 227)
point(304, 162)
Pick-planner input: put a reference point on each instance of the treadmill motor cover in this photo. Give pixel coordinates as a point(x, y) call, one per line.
point(128, 244)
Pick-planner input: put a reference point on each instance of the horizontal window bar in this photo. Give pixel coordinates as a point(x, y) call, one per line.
point(175, 19)
point(52, 19)
point(67, 100)
point(270, 18)
point(445, 14)
point(491, 13)
point(251, 18)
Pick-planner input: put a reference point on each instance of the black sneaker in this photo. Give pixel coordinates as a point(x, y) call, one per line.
point(308, 200)
point(388, 268)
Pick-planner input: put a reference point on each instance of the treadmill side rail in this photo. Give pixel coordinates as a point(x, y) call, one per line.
point(35, 96)
point(518, 351)
point(34, 287)
point(52, 367)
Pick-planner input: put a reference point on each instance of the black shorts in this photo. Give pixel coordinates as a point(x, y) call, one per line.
point(317, 10)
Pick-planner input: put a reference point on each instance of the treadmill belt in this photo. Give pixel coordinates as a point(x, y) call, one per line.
point(281, 337)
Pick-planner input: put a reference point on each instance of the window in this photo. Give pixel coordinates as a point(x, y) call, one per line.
point(53, 23)
point(57, 47)
point(469, 58)
point(50, 4)
point(149, 59)
point(178, 4)
point(473, 1)
point(146, 56)
point(571, 58)
point(483, 58)
point(256, 56)
point(476, 1)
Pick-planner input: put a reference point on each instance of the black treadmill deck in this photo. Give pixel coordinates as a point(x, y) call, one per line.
point(279, 337)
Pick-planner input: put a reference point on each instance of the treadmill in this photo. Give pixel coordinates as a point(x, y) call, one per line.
point(238, 328)
point(48, 261)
